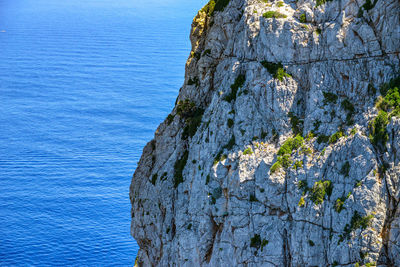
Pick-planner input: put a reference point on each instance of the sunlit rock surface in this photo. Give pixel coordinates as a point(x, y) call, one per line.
point(223, 182)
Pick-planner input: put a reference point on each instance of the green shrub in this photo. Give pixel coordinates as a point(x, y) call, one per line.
point(303, 186)
point(191, 115)
point(215, 5)
point(275, 69)
point(248, 151)
point(339, 204)
point(291, 145)
point(178, 168)
point(264, 243)
point(319, 190)
point(378, 133)
point(170, 118)
point(276, 166)
point(256, 242)
point(274, 14)
point(302, 202)
point(239, 82)
point(330, 98)
point(357, 221)
point(230, 123)
point(230, 143)
point(207, 52)
point(303, 18)
point(297, 124)
point(253, 198)
point(280, 4)
point(347, 105)
point(195, 81)
point(298, 165)
point(154, 179)
point(335, 137)
point(322, 139)
point(285, 161)
point(316, 125)
point(345, 169)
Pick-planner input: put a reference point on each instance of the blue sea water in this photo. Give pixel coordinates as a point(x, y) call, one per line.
point(83, 86)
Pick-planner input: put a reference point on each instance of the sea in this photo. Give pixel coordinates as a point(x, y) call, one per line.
point(83, 86)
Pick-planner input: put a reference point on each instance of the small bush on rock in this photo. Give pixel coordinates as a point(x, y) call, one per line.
point(274, 14)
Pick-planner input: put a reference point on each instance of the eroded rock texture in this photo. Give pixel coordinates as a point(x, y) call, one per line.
point(274, 154)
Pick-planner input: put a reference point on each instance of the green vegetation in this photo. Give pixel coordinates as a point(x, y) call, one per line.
point(215, 5)
point(154, 179)
point(191, 115)
point(283, 161)
point(368, 5)
point(280, 4)
point(285, 151)
point(195, 81)
point(345, 169)
point(330, 98)
point(322, 139)
point(248, 151)
point(302, 202)
point(274, 14)
point(339, 204)
point(253, 198)
point(230, 123)
point(303, 186)
point(311, 243)
point(297, 124)
point(256, 242)
point(170, 118)
point(388, 105)
point(230, 143)
point(275, 69)
point(290, 145)
point(335, 137)
point(207, 52)
point(378, 133)
point(349, 108)
point(319, 190)
point(178, 168)
point(303, 18)
point(318, 31)
point(298, 165)
point(347, 105)
point(239, 82)
point(219, 157)
point(164, 176)
point(357, 222)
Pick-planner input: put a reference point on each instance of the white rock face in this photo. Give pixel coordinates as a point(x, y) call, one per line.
point(205, 192)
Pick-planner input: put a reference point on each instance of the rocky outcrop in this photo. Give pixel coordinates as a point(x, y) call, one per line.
point(283, 148)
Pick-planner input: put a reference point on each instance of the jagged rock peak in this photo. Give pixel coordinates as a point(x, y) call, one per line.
point(283, 148)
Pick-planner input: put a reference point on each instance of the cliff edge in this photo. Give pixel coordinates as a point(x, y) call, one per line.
point(283, 147)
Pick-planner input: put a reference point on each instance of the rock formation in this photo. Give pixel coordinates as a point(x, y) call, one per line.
point(283, 147)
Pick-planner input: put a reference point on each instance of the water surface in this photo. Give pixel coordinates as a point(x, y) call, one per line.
point(83, 86)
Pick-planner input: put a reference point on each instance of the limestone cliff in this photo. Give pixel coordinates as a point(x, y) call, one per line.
point(283, 147)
